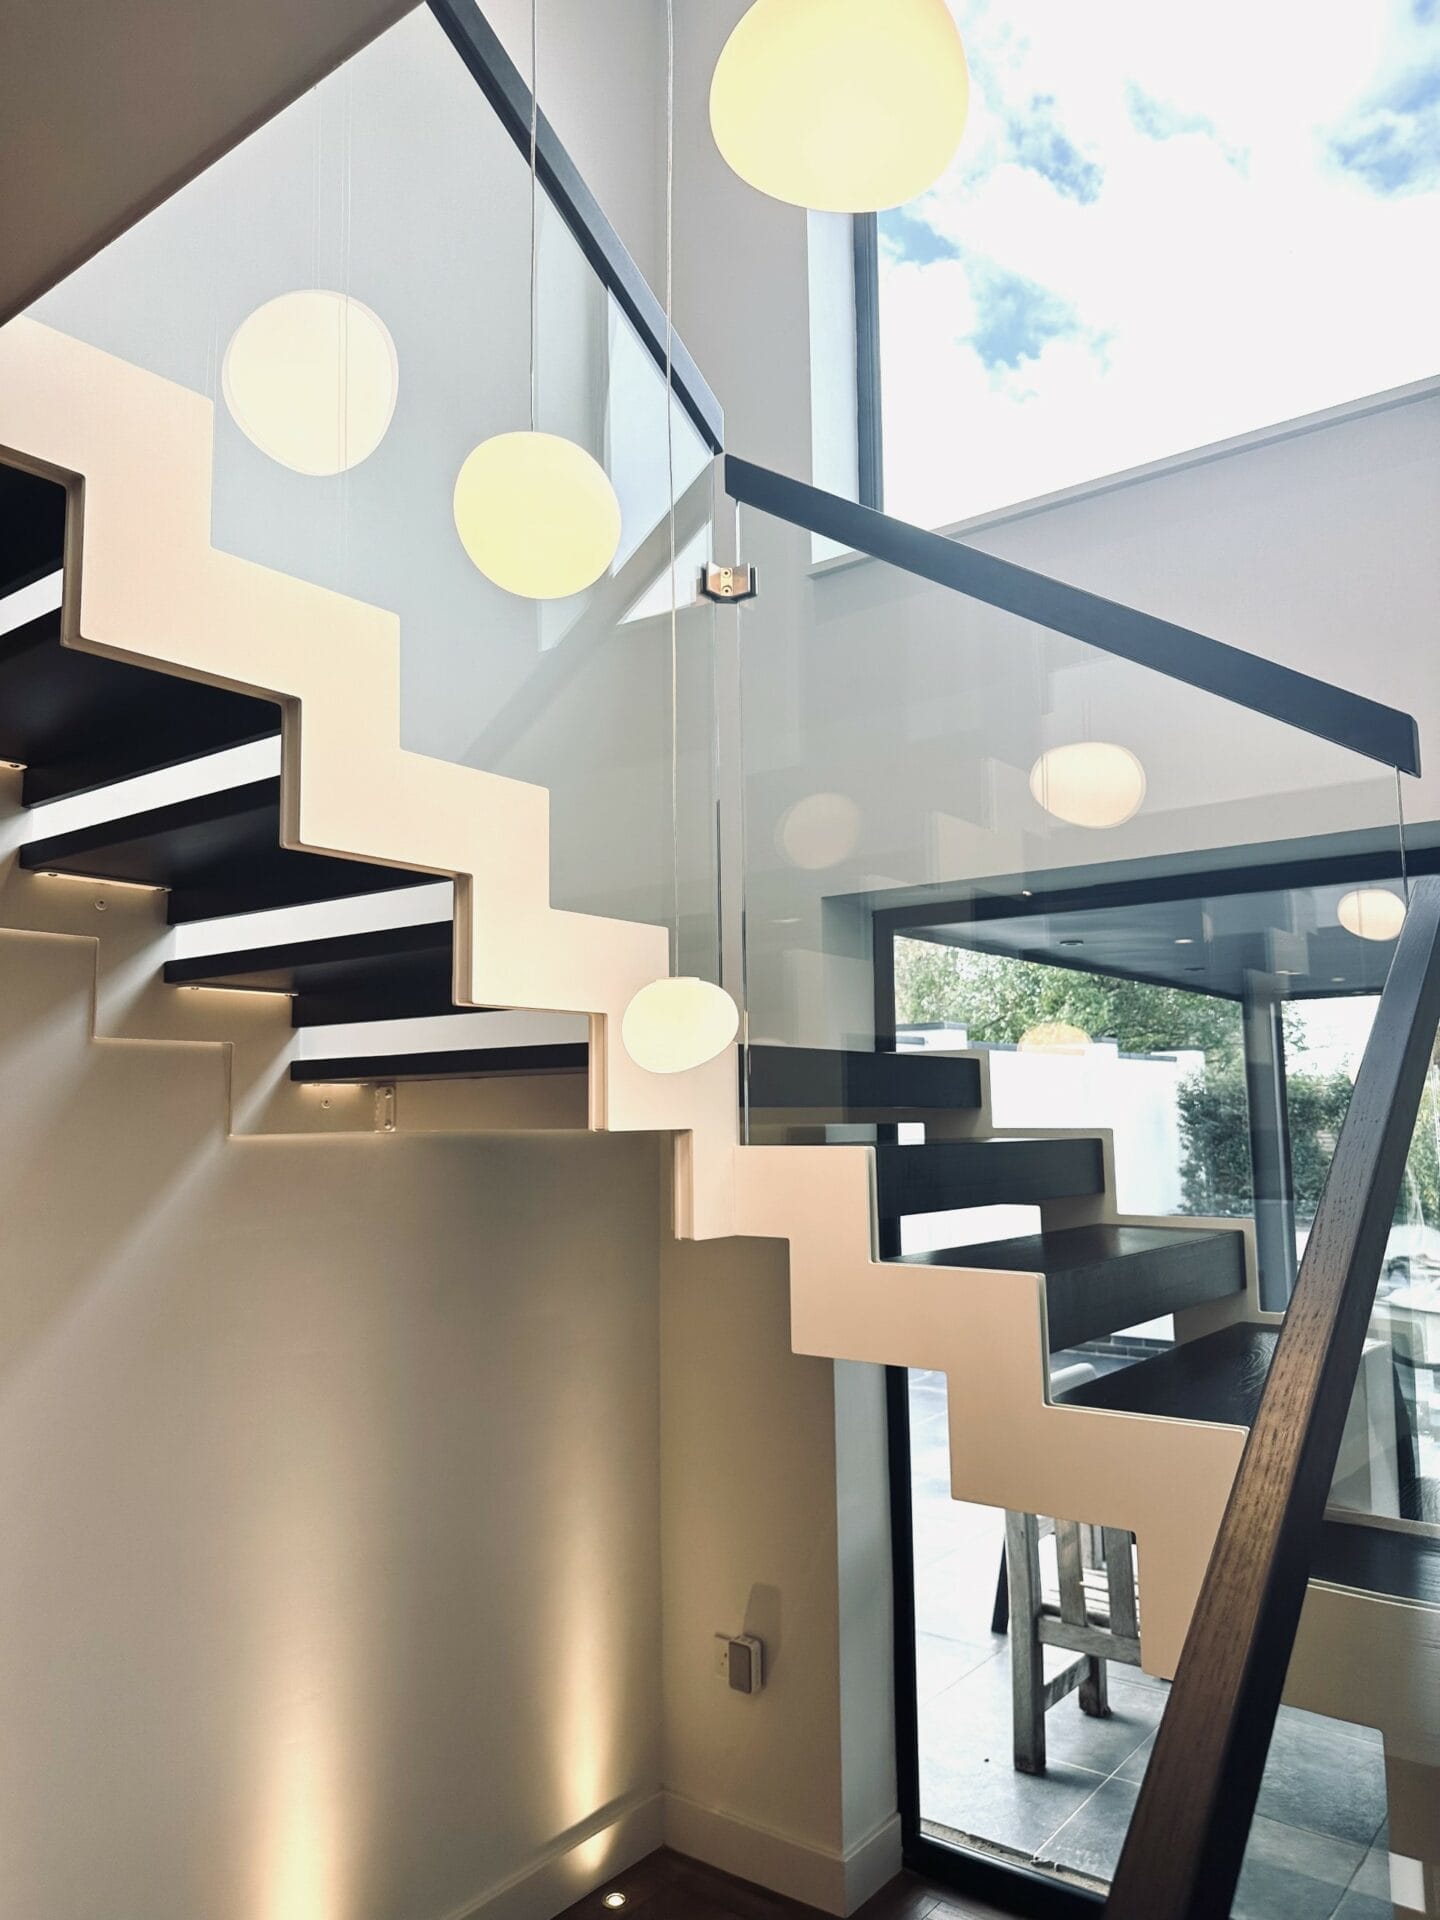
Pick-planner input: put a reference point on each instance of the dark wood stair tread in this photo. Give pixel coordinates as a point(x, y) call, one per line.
point(381, 973)
point(218, 853)
point(32, 527)
point(949, 1175)
point(1218, 1377)
point(846, 1081)
point(1100, 1279)
point(1394, 1561)
point(78, 721)
point(459, 1063)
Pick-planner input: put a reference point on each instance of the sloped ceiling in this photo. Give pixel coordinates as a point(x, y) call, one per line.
point(107, 106)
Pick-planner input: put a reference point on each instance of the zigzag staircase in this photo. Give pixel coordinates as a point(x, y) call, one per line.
point(195, 650)
point(131, 645)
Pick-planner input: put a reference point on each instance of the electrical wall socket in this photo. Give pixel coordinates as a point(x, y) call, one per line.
point(740, 1662)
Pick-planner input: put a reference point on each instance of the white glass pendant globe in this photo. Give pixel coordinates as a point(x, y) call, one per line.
point(1054, 1036)
point(1092, 783)
point(312, 378)
point(536, 514)
point(1372, 913)
point(819, 831)
point(846, 106)
point(673, 1025)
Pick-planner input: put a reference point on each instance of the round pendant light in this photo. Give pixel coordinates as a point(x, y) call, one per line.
point(1092, 783)
point(847, 106)
point(1372, 913)
point(536, 514)
point(1054, 1036)
point(311, 378)
point(673, 1025)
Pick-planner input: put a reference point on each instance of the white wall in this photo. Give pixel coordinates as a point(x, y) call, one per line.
point(775, 1522)
point(329, 1486)
point(1317, 546)
point(602, 85)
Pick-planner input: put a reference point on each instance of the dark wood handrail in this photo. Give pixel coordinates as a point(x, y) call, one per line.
point(1187, 1837)
point(1301, 700)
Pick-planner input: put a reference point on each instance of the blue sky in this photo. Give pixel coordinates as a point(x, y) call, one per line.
point(1166, 225)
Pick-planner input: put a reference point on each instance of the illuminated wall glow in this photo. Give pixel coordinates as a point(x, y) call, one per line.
point(536, 514)
point(1372, 913)
point(846, 106)
point(1091, 783)
point(312, 378)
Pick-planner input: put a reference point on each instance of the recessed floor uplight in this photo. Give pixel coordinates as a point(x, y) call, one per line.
point(614, 1901)
point(1185, 941)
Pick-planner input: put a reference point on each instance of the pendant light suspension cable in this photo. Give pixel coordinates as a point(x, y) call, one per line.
point(675, 1023)
point(670, 468)
point(534, 215)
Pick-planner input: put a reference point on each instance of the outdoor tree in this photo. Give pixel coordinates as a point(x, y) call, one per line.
point(999, 999)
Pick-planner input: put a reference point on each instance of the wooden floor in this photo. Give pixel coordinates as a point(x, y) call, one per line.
point(666, 1886)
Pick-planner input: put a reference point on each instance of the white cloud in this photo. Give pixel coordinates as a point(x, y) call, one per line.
point(1225, 277)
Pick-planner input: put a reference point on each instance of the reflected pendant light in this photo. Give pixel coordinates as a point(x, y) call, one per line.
point(1054, 1036)
point(1372, 913)
point(846, 106)
point(311, 377)
point(1092, 783)
point(535, 512)
point(819, 831)
point(675, 1024)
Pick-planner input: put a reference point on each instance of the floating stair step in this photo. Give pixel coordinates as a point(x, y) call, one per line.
point(77, 721)
point(893, 1086)
point(1219, 1377)
point(1100, 1279)
point(32, 527)
point(386, 973)
point(219, 853)
point(947, 1175)
point(1396, 1561)
point(460, 1063)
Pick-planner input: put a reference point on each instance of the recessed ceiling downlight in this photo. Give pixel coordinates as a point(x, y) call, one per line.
point(537, 514)
point(1372, 913)
point(846, 106)
point(674, 1025)
point(1091, 783)
point(312, 378)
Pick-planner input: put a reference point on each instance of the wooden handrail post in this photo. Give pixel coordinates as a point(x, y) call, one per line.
point(1187, 1838)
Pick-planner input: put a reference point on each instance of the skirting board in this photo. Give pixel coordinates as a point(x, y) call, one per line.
point(575, 1865)
point(834, 1882)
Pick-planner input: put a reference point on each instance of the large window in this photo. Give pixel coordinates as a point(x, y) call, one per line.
point(1167, 225)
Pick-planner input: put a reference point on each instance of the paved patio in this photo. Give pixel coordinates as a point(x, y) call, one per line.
point(1317, 1849)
